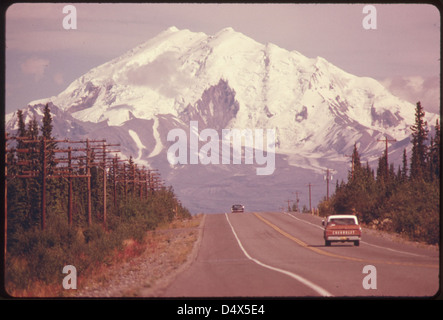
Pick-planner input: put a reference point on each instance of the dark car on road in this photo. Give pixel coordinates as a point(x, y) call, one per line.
point(238, 208)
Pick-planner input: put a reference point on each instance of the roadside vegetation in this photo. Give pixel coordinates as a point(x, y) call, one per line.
point(405, 201)
point(35, 256)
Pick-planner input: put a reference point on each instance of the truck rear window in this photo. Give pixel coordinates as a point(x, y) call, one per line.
point(342, 222)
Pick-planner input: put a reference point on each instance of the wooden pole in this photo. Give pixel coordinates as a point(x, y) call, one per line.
point(70, 188)
point(114, 169)
point(104, 184)
point(327, 177)
point(43, 191)
point(6, 197)
point(310, 207)
point(386, 153)
point(88, 173)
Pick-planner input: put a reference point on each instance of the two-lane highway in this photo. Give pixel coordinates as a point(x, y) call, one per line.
point(276, 255)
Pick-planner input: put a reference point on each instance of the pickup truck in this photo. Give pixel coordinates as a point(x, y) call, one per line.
point(341, 228)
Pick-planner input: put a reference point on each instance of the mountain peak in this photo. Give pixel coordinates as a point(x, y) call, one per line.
point(227, 30)
point(172, 29)
point(228, 80)
point(274, 88)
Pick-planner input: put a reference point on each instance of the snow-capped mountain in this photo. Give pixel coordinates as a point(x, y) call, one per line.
point(229, 81)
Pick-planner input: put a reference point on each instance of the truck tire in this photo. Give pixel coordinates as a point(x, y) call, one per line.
point(356, 243)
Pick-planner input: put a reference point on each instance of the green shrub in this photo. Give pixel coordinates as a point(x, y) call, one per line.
point(35, 254)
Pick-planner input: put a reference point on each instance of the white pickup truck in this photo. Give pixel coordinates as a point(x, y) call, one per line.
point(341, 228)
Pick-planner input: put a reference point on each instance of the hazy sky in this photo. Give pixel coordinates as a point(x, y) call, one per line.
point(403, 52)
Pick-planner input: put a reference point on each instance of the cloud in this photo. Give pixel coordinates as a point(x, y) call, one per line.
point(416, 88)
point(35, 67)
point(162, 74)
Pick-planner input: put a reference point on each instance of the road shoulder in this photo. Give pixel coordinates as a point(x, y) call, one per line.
point(168, 253)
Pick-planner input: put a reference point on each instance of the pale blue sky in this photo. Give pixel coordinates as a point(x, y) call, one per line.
point(42, 58)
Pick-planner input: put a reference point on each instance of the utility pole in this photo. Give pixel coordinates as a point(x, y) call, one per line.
point(70, 186)
point(33, 158)
point(104, 165)
point(297, 200)
point(289, 208)
point(44, 176)
point(23, 174)
point(386, 140)
point(88, 173)
point(104, 183)
point(116, 170)
point(327, 177)
point(43, 221)
point(5, 239)
point(89, 163)
point(310, 206)
point(72, 161)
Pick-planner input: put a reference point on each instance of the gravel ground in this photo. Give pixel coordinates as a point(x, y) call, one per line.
point(167, 253)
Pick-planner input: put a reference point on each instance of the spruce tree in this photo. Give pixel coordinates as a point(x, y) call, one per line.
point(21, 134)
point(47, 123)
point(22, 156)
point(419, 148)
point(16, 188)
point(404, 170)
point(34, 185)
point(382, 171)
point(47, 135)
point(33, 129)
point(355, 163)
point(55, 198)
point(434, 154)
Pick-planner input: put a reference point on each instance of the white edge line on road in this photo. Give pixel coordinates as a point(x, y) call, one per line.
point(370, 244)
point(304, 281)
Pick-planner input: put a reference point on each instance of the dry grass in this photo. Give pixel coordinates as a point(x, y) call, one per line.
point(35, 289)
point(142, 269)
point(130, 271)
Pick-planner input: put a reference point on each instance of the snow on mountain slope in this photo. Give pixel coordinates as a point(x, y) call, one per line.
point(172, 70)
point(228, 80)
point(158, 143)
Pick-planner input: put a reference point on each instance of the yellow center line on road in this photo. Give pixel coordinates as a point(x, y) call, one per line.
point(297, 277)
point(333, 255)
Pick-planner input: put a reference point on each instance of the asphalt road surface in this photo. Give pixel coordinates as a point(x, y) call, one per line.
point(283, 255)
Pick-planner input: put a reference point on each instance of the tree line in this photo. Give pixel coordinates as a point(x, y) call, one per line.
point(73, 202)
point(405, 199)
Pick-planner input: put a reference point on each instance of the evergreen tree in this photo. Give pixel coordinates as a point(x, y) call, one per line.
point(34, 185)
point(21, 132)
point(96, 192)
point(355, 164)
point(33, 129)
point(51, 145)
point(55, 188)
point(419, 148)
point(392, 201)
point(47, 123)
point(16, 188)
point(131, 176)
point(404, 170)
point(80, 196)
point(434, 154)
point(22, 156)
